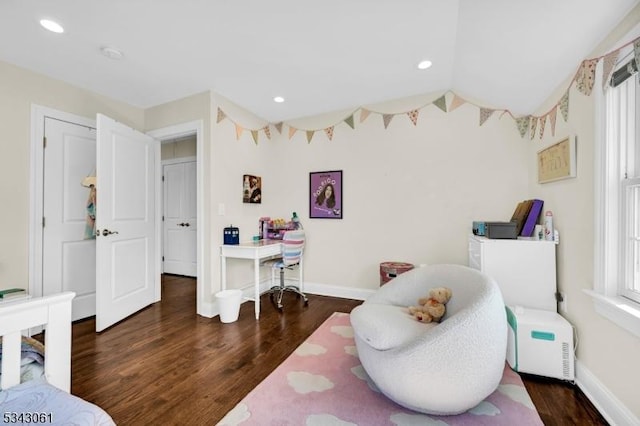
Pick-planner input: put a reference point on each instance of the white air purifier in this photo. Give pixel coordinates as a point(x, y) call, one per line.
point(540, 342)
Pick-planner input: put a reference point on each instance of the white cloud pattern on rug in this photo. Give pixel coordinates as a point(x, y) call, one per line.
point(404, 419)
point(304, 383)
point(342, 330)
point(361, 374)
point(485, 408)
point(351, 350)
point(326, 420)
point(518, 394)
point(237, 415)
point(310, 349)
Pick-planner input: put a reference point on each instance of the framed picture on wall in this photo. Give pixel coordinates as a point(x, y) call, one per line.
point(557, 161)
point(251, 189)
point(325, 195)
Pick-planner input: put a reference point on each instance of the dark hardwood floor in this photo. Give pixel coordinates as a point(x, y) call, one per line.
point(167, 365)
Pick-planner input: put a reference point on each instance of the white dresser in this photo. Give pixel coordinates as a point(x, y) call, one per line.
point(524, 270)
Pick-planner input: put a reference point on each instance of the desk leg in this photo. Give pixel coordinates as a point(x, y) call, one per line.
point(223, 272)
point(300, 268)
point(256, 277)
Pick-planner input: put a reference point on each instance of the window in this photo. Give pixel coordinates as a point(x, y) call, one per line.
point(616, 292)
point(622, 118)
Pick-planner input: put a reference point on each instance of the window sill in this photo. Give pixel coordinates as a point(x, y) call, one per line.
point(619, 310)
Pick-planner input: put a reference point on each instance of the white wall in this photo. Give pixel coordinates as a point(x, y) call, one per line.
point(410, 192)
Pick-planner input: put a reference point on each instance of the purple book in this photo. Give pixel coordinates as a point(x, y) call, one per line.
point(532, 218)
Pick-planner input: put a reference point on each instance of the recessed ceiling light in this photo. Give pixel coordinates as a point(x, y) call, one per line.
point(278, 99)
point(52, 26)
point(112, 53)
point(423, 65)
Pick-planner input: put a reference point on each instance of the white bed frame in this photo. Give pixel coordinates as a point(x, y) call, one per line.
point(17, 317)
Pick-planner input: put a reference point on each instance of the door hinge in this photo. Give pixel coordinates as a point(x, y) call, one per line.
point(43, 221)
point(163, 178)
point(163, 258)
point(44, 142)
point(163, 218)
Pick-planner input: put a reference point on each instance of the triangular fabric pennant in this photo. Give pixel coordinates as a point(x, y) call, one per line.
point(221, 115)
point(553, 115)
point(278, 127)
point(267, 132)
point(636, 55)
point(586, 76)
point(543, 123)
point(254, 134)
point(292, 131)
point(608, 63)
point(386, 119)
point(364, 113)
point(239, 130)
point(413, 116)
point(329, 132)
point(349, 121)
point(441, 103)
point(310, 134)
point(485, 113)
point(564, 106)
point(534, 124)
point(456, 102)
point(523, 125)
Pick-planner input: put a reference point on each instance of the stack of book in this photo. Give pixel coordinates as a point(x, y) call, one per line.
point(526, 216)
point(12, 293)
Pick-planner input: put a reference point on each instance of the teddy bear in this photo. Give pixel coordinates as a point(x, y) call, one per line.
point(433, 307)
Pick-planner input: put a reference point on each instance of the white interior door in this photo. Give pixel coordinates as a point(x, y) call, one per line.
point(126, 248)
point(180, 224)
point(68, 259)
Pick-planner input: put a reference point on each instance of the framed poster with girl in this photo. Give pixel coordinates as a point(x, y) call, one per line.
point(325, 195)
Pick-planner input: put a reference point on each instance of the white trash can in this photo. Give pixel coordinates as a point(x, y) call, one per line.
point(229, 303)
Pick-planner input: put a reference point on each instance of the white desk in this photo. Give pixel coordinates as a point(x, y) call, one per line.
point(257, 251)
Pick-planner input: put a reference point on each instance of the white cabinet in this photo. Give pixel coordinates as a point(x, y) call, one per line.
point(524, 270)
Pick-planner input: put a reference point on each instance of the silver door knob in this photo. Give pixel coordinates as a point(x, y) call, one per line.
point(106, 232)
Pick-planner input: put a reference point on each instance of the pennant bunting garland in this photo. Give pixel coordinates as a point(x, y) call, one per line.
point(310, 134)
point(485, 113)
point(586, 76)
point(364, 113)
point(636, 54)
point(267, 132)
point(278, 127)
point(349, 121)
point(292, 131)
point(441, 103)
point(564, 106)
point(543, 123)
point(413, 116)
point(608, 63)
point(523, 125)
point(221, 115)
point(552, 118)
point(456, 102)
point(386, 119)
point(329, 132)
point(534, 124)
point(254, 135)
point(238, 131)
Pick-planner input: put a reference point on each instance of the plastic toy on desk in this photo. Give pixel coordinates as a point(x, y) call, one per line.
point(295, 220)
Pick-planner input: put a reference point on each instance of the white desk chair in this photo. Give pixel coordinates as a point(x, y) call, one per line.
point(292, 251)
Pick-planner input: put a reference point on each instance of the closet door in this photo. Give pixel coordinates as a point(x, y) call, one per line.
point(179, 234)
point(68, 259)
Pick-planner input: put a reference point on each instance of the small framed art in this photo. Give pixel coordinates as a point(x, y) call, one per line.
point(557, 161)
point(325, 195)
point(251, 189)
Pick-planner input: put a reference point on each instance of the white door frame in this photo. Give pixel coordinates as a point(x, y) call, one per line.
point(173, 132)
point(36, 186)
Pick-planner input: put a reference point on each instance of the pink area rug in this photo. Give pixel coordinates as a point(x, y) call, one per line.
point(323, 383)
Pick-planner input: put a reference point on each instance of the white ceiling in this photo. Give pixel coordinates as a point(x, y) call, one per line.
point(320, 56)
